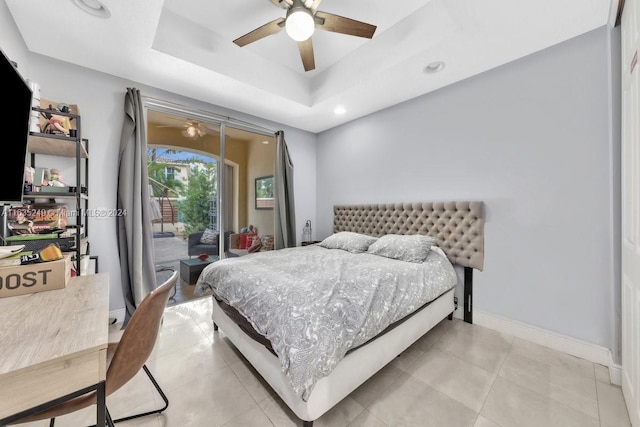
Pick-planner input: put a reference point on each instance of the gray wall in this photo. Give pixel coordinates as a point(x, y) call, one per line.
point(100, 98)
point(533, 140)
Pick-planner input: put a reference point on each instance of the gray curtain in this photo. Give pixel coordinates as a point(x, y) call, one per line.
point(285, 207)
point(134, 231)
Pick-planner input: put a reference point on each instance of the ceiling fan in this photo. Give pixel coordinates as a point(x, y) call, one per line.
point(192, 129)
point(301, 19)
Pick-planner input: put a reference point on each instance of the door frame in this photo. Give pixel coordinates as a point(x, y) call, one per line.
point(169, 107)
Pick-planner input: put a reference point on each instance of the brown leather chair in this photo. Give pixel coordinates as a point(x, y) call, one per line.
point(124, 358)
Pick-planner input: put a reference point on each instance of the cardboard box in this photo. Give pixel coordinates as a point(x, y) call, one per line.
point(16, 279)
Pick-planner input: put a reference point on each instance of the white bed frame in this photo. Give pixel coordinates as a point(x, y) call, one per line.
point(451, 222)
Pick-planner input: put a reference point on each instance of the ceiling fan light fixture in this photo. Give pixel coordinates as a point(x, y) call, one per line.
point(300, 23)
point(192, 131)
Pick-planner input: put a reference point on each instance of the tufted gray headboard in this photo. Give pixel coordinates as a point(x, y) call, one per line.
point(458, 226)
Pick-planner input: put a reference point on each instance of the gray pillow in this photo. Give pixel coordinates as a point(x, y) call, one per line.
point(348, 241)
point(411, 248)
point(209, 237)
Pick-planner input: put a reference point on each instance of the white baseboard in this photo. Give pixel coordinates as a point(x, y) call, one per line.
point(118, 315)
point(615, 373)
point(564, 343)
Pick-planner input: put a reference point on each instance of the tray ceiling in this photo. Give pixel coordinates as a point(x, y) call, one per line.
point(186, 47)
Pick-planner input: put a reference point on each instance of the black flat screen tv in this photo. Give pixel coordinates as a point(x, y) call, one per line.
point(15, 132)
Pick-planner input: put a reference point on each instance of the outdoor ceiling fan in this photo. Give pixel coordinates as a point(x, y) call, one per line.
point(192, 129)
point(302, 18)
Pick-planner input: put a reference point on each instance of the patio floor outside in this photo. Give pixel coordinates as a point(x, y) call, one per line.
point(170, 247)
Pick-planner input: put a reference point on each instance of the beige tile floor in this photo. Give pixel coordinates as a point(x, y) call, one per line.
point(456, 375)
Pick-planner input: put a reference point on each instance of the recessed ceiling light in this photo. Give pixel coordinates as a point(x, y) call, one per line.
point(434, 67)
point(265, 142)
point(340, 110)
point(93, 7)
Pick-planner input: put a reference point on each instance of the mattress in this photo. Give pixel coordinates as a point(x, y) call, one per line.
point(237, 318)
point(314, 304)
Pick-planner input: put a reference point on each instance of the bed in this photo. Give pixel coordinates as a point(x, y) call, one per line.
point(358, 310)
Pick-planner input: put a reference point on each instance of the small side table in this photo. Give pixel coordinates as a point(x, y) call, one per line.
point(311, 242)
point(191, 268)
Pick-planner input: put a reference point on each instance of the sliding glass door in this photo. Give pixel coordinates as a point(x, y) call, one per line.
point(248, 195)
point(210, 180)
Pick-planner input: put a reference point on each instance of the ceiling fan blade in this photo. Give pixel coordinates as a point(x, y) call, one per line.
point(266, 30)
point(281, 3)
point(340, 24)
point(306, 53)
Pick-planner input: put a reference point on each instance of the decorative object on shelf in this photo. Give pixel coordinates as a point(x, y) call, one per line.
point(306, 231)
point(37, 218)
point(29, 174)
point(57, 124)
point(20, 224)
point(41, 177)
point(51, 252)
point(55, 179)
point(59, 118)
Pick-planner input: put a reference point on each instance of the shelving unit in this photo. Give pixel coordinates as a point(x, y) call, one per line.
point(72, 147)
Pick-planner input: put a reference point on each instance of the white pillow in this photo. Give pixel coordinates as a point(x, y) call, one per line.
point(348, 241)
point(209, 237)
point(411, 248)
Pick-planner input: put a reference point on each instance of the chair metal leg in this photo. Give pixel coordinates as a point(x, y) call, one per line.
point(307, 423)
point(109, 420)
point(156, 411)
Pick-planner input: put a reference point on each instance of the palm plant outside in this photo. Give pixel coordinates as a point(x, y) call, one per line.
point(193, 198)
point(195, 206)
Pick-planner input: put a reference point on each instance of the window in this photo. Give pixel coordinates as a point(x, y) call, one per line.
point(169, 173)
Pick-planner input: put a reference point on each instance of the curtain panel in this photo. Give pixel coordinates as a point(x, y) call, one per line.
point(134, 230)
point(285, 205)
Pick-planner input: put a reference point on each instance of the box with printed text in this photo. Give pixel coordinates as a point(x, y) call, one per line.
point(17, 279)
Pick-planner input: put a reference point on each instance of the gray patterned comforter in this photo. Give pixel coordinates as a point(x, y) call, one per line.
point(314, 304)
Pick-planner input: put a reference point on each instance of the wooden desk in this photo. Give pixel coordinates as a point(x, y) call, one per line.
point(53, 344)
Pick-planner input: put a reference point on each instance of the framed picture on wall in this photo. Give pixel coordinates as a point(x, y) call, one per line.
point(264, 192)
